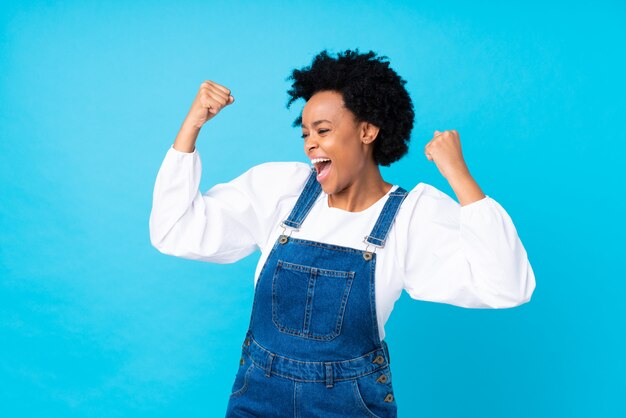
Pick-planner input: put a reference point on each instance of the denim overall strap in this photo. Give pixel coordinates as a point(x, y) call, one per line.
point(379, 233)
point(305, 202)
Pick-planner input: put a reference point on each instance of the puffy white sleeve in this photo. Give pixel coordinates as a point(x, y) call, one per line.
point(228, 222)
point(469, 256)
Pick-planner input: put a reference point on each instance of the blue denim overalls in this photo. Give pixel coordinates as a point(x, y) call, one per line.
point(313, 348)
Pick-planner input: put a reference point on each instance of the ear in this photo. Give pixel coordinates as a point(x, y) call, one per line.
point(369, 132)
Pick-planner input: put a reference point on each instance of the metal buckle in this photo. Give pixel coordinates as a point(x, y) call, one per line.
point(284, 238)
point(373, 245)
point(367, 243)
point(369, 254)
point(286, 227)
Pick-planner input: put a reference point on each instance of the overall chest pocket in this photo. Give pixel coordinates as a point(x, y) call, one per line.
point(309, 302)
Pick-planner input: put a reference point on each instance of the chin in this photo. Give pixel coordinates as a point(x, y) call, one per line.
point(328, 188)
point(331, 188)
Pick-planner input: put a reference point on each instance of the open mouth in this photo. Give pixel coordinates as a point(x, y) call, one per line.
point(322, 166)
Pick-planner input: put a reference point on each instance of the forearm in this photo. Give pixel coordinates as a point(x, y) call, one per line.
point(465, 188)
point(186, 138)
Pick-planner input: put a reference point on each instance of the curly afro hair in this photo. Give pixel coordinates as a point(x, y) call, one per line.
point(371, 90)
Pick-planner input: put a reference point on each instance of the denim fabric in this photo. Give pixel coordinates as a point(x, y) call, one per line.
point(313, 348)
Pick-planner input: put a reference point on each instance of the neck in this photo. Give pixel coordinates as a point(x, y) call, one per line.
point(362, 193)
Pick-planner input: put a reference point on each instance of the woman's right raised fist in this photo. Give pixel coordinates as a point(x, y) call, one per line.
point(211, 98)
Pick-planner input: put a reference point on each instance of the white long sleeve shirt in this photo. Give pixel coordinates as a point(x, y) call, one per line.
point(436, 250)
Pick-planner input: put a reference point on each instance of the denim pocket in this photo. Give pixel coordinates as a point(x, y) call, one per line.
point(241, 379)
point(374, 394)
point(309, 302)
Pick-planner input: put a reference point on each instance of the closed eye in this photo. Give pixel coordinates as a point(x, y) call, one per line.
point(321, 131)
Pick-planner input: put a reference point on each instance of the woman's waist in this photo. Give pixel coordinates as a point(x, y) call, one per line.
point(315, 370)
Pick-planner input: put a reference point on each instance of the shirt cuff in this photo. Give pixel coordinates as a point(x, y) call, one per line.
point(476, 203)
point(483, 212)
point(468, 209)
point(175, 151)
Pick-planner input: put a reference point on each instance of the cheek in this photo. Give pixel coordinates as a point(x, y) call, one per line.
point(352, 158)
point(347, 166)
point(347, 155)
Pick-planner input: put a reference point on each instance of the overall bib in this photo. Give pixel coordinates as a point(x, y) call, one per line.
point(313, 347)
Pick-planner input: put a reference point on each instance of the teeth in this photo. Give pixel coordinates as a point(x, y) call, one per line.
point(319, 160)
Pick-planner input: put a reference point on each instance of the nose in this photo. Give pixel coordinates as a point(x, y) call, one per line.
point(309, 143)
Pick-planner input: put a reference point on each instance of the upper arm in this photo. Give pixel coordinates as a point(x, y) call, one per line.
point(230, 220)
point(467, 256)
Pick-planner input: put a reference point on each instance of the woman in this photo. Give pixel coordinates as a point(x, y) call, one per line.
point(338, 243)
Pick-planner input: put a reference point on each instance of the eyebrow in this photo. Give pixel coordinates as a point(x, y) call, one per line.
point(317, 122)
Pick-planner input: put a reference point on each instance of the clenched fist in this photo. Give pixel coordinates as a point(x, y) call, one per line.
point(211, 98)
point(445, 150)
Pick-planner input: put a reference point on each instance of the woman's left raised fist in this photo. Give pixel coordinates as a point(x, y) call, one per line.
point(445, 150)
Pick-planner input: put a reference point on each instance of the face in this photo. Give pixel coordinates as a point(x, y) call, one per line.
point(330, 131)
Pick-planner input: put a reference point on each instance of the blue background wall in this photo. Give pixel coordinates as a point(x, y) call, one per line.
point(95, 322)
